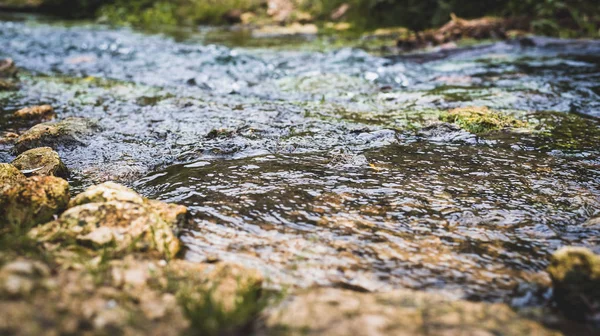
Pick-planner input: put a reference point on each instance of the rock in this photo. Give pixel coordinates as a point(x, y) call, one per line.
point(20, 277)
point(34, 200)
point(8, 69)
point(69, 132)
point(445, 132)
point(6, 85)
point(105, 192)
point(291, 30)
point(40, 112)
point(575, 273)
point(41, 161)
point(481, 119)
point(175, 215)
point(280, 10)
point(113, 215)
point(9, 177)
point(129, 296)
point(329, 311)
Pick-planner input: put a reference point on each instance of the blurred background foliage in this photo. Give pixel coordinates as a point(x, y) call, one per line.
point(565, 18)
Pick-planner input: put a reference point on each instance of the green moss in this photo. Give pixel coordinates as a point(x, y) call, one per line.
point(481, 119)
point(575, 274)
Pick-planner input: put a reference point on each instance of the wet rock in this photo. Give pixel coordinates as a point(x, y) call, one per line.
point(69, 132)
point(40, 112)
point(9, 176)
point(445, 132)
point(33, 201)
point(113, 215)
point(481, 119)
point(106, 192)
point(8, 69)
point(575, 273)
point(6, 85)
point(41, 161)
point(341, 312)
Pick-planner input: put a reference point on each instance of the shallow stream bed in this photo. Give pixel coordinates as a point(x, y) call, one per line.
point(313, 166)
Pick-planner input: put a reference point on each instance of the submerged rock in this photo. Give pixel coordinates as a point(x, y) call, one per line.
point(35, 113)
point(575, 273)
point(113, 215)
point(41, 161)
point(480, 119)
point(68, 132)
point(33, 201)
point(329, 311)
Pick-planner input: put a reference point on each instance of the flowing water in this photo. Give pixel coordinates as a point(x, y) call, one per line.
point(314, 165)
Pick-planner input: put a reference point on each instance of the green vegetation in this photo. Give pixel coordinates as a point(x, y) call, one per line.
point(566, 18)
point(481, 119)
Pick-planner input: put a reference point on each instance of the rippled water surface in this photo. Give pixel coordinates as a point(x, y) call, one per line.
point(314, 167)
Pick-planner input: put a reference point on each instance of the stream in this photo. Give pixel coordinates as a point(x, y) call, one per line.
point(316, 165)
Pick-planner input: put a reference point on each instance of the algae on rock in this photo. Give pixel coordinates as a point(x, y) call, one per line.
point(41, 161)
point(35, 112)
point(116, 216)
point(481, 119)
point(575, 273)
point(33, 201)
point(68, 132)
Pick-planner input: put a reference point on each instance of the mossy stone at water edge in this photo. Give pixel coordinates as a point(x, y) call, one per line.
point(575, 273)
point(9, 176)
point(111, 215)
point(33, 201)
point(35, 112)
point(41, 161)
point(68, 132)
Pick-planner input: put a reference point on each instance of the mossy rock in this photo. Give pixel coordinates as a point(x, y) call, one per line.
point(7, 85)
point(8, 69)
point(68, 132)
point(481, 119)
point(575, 273)
point(39, 112)
point(33, 201)
point(9, 176)
point(114, 216)
point(41, 161)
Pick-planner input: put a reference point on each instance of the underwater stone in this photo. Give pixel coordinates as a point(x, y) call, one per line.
point(69, 132)
point(41, 161)
point(575, 273)
point(34, 200)
point(35, 112)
